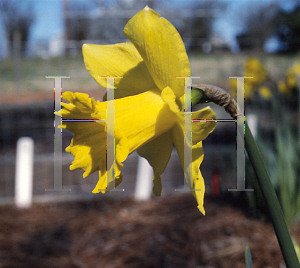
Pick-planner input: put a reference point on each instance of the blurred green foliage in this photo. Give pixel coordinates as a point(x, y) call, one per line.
point(34, 70)
point(281, 152)
point(213, 69)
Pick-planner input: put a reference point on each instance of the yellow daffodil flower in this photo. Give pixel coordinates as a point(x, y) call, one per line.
point(288, 85)
point(265, 92)
point(147, 107)
point(252, 68)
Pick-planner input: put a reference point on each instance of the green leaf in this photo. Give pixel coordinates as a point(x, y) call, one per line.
point(279, 224)
point(248, 258)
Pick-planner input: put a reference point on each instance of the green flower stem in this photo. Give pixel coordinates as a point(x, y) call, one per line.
point(197, 96)
point(218, 96)
point(298, 79)
point(248, 258)
point(279, 224)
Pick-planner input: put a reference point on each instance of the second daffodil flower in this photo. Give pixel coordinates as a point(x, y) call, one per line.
point(147, 106)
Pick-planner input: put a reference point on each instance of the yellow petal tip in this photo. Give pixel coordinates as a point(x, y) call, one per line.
point(95, 191)
point(201, 209)
point(146, 8)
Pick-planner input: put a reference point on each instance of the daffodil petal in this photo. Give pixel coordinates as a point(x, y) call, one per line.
point(157, 152)
point(200, 130)
point(169, 97)
point(80, 106)
point(138, 119)
point(81, 147)
point(122, 151)
point(141, 118)
point(118, 60)
point(198, 181)
point(203, 123)
point(103, 184)
point(161, 47)
point(88, 146)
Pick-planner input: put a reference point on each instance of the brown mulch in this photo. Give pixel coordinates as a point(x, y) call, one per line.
point(110, 233)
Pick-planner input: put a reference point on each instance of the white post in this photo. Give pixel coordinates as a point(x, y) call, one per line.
point(143, 187)
point(253, 122)
point(24, 172)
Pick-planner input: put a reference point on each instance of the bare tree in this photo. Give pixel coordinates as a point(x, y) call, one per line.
point(204, 14)
point(17, 23)
point(108, 26)
point(258, 25)
point(287, 28)
point(76, 24)
point(194, 23)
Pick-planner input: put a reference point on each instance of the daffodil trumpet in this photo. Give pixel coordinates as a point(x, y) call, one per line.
point(147, 105)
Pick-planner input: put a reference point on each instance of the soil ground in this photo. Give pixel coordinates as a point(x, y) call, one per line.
point(110, 233)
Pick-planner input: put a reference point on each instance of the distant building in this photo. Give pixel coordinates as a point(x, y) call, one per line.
point(40, 49)
point(219, 44)
point(56, 46)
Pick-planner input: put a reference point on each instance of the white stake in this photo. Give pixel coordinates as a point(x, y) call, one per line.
point(24, 172)
point(143, 186)
point(252, 122)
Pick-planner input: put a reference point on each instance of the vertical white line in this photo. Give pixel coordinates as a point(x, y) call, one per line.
point(240, 160)
point(58, 136)
point(188, 151)
point(110, 125)
point(188, 133)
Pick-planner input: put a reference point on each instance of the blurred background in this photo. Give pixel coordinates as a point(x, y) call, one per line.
point(223, 39)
